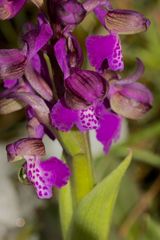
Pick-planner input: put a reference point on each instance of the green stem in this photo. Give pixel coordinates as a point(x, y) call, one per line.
point(78, 156)
point(65, 208)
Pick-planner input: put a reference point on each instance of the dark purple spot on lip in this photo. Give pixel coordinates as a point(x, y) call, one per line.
point(40, 193)
point(30, 165)
point(115, 61)
point(45, 193)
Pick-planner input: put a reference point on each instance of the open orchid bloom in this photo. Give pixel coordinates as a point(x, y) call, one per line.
point(105, 52)
point(44, 175)
point(14, 61)
point(106, 123)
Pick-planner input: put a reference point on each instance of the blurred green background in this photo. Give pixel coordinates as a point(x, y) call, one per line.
point(137, 212)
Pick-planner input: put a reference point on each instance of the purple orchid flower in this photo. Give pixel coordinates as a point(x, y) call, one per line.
point(99, 118)
point(105, 52)
point(14, 61)
point(44, 175)
point(83, 99)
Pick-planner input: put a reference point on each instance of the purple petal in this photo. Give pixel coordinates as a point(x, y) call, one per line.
point(35, 129)
point(9, 8)
point(47, 174)
point(60, 50)
point(60, 171)
point(105, 50)
point(39, 106)
point(134, 76)
point(62, 117)
point(9, 83)
point(101, 12)
point(12, 62)
point(38, 37)
point(38, 83)
point(109, 129)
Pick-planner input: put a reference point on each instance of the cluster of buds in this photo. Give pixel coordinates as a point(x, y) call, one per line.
point(74, 97)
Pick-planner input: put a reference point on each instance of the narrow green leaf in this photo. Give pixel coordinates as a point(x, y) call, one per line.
point(93, 215)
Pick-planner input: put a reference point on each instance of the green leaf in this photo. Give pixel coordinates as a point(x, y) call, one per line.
point(92, 218)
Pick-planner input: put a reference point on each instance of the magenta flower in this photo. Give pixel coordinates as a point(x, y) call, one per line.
point(44, 175)
point(14, 61)
point(104, 122)
point(105, 52)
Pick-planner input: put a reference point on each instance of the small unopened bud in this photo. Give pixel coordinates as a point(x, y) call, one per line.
point(84, 88)
point(25, 147)
point(126, 21)
point(70, 12)
point(75, 55)
point(131, 101)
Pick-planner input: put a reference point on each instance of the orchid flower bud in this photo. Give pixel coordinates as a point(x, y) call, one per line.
point(70, 12)
point(129, 98)
point(84, 88)
point(25, 147)
point(126, 21)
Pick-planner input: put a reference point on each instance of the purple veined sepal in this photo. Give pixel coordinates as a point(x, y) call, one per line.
point(124, 21)
point(38, 83)
point(84, 88)
point(35, 128)
point(12, 63)
point(105, 52)
point(68, 54)
point(129, 98)
point(25, 146)
point(44, 175)
point(121, 21)
point(106, 124)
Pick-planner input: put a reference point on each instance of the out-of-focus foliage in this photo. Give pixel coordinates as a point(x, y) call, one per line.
point(137, 213)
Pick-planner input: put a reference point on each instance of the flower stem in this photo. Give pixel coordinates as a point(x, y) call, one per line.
point(78, 156)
